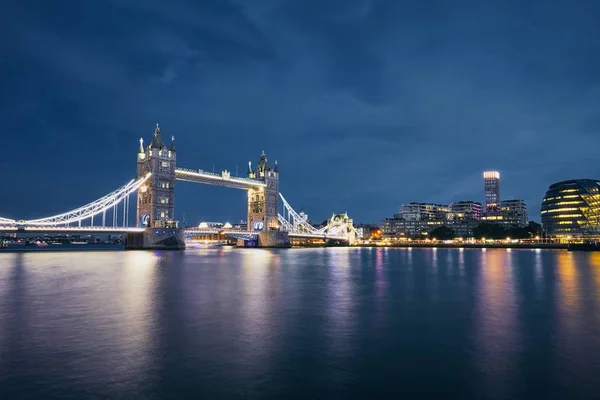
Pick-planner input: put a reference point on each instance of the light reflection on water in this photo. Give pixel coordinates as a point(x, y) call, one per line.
point(300, 323)
point(496, 332)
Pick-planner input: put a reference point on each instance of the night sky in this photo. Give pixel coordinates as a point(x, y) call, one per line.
point(365, 104)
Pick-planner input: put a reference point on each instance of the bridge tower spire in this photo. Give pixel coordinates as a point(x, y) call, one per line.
point(263, 203)
point(156, 198)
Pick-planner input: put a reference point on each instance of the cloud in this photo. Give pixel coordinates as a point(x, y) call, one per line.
point(365, 104)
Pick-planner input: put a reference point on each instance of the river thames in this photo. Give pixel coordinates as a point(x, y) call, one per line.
point(332, 323)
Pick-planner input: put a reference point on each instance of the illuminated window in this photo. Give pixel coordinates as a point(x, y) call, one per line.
point(568, 216)
point(563, 209)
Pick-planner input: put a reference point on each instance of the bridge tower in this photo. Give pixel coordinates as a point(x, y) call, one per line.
point(263, 204)
point(342, 223)
point(156, 199)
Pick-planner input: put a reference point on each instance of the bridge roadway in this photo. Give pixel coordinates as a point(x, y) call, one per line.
point(229, 232)
point(193, 231)
point(63, 229)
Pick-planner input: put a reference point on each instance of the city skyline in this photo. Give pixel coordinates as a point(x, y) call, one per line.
point(337, 92)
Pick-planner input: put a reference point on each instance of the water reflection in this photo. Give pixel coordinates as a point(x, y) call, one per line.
point(594, 260)
point(315, 323)
point(64, 297)
point(260, 321)
point(496, 331)
point(539, 270)
point(568, 293)
point(461, 261)
point(569, 311)
point(13, 294)
point(134, 318)
point(341, 299)
point(380, 300)
point(380, 282)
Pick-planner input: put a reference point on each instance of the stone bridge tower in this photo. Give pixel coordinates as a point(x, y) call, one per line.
point(263, 204)
point(156, 198)
point(342, 224)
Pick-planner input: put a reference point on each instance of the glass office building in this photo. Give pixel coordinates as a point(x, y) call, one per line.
point(571, 209)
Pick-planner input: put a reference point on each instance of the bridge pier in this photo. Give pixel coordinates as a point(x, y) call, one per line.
point(156, 239)
point(267, 239)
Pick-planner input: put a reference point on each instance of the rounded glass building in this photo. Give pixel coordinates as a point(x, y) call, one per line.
point(571, 209)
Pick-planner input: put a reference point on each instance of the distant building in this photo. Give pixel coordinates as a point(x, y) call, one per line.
point(514, 212)
point(466, 210)
point(365, 231)
point(510, 213)
point(416, 220)
point(491, 181)
point(424, 211)
point(465, 215)
point(571, 209)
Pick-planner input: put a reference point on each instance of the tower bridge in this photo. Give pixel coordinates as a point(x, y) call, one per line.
point(156, 227)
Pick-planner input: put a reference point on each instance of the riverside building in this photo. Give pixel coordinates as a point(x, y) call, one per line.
point(510, 213)
point(571, 210)
point(514, 212)
point(417, 220)
point(505, 212)
point(491, 184)
point(465, 216)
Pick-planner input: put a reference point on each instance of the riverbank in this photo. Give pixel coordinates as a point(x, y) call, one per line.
point(21, 248)
point(108, 247)
point(547, 246)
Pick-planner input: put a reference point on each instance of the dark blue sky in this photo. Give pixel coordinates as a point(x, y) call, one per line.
point(365, 104)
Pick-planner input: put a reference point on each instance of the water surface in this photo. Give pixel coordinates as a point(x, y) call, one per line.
point(300, 324)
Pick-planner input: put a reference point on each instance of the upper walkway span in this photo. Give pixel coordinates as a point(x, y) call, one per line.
point(223, 179)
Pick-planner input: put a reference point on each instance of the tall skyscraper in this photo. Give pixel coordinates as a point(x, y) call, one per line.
point(491, 181)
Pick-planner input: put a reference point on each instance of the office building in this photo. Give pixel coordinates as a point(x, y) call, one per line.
point(465, 216)
point(509, 213)
point(416, 220)
point(571, 209)
point(466, 210)
point(424, 211)
point(514, 212)
point(491, 180)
